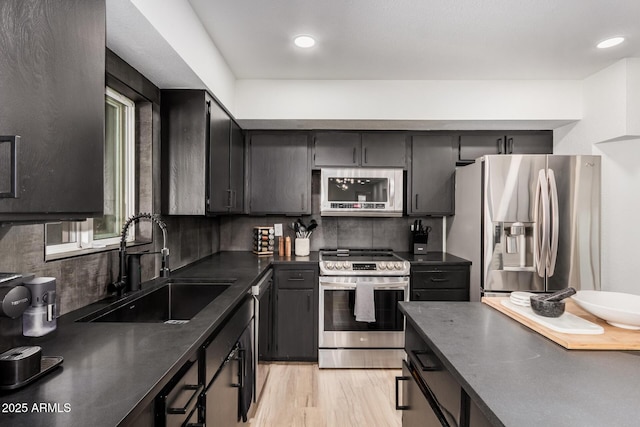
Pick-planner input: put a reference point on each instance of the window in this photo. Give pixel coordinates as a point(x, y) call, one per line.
point(119, 186)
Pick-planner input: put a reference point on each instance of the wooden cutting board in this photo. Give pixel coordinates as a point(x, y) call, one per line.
point(612, 339)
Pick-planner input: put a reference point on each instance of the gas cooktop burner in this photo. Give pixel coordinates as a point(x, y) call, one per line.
point(362, 262)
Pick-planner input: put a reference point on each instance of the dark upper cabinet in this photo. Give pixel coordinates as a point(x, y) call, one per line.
point(336, 149)
point(384, 149)
point(529, 143)
point(226, 171)
point(185, 136)
point(431, 184)
point(368, 149)
point(202, 155)
point(279, 173)
point(52, 87)
point(477, 144)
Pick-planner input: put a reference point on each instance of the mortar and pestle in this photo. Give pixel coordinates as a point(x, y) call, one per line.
point(551, 305)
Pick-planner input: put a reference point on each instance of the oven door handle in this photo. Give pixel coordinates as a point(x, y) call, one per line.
point(343, 287)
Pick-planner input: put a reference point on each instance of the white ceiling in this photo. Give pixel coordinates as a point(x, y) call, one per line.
point(420, 39)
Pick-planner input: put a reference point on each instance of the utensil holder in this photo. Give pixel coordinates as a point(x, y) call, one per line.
point(302, 246)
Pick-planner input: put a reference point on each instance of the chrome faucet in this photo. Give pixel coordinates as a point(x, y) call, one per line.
point(124, 283)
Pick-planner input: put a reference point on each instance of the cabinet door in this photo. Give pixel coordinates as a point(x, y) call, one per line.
point(417, 410)
point(220, 195)
point(473, 146)
point(52, 87)
point(432, 175)
point(280, 174)
point(336, 149)
point(384, 150)
point(533, 143)
point(236, 172)
point(222, 396)
point(184, 151)
point(437, 283)
point(295, 320)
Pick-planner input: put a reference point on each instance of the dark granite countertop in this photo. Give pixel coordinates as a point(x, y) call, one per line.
point(433, 258)
point(111, 371)
point(519, 378)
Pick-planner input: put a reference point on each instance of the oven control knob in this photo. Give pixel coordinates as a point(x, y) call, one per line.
point(330, 265)
point(346, 265)
point(398, 266)
point(339, 265)
point(390, 266)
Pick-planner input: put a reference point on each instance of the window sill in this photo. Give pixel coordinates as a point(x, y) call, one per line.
point(90, 251)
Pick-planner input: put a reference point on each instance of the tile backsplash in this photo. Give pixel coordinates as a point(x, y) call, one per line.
point(332, 232)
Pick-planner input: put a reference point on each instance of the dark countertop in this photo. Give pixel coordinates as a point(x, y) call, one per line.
point(433, 258)
point(519, 378)
point(111, 371)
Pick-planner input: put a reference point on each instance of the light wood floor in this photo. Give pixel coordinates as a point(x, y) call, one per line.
point(302, 395)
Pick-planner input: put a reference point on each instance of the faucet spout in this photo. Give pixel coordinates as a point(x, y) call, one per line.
point(123, 282)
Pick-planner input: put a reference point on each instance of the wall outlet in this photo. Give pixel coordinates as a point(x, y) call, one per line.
point(277, 229)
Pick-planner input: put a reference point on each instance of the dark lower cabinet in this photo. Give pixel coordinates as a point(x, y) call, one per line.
point(416, 409)
point(227, 370)
point(428, 393)
point(178, 403)
point(222, 395)
point(440, 283)
point(296, 314)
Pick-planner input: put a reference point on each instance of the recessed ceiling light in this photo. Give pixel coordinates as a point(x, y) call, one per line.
point(610, 42)
point(304, 41)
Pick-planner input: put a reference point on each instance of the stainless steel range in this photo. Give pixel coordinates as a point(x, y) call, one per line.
point(374, 281)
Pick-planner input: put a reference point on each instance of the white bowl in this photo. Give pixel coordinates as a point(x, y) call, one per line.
point(616, 308)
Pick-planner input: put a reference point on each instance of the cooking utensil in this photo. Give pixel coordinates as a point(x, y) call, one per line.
point(547, 308)
point(551, 305)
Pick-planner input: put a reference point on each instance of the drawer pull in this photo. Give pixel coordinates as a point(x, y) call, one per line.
point(398, 405)
point(187, 387)
point(435, 279)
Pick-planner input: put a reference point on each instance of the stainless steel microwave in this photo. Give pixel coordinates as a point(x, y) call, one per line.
point(361, 192)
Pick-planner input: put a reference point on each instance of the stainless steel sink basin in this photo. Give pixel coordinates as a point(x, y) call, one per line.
point(177, 301)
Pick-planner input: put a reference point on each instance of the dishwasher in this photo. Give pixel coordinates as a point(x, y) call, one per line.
point(263, 325)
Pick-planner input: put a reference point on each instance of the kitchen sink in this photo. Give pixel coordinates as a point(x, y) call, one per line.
point(175, 302)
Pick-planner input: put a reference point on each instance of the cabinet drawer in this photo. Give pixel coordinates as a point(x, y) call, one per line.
point(296, 279)
point(440, 278)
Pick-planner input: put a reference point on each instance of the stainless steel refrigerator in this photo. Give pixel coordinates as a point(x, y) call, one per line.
point(528, 223)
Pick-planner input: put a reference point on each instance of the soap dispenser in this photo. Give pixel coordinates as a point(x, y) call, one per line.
point(40, 318)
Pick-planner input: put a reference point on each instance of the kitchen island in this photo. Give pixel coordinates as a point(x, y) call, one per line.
point(519, 378)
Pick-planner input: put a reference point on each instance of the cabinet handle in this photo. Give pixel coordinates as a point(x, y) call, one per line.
point(500, 146)
point(354, 155)
point(510, 146)
point(365, 156)
point(435, 279)
point(13, 141)
point(187, 387)
point(416, 201)
point(302, 201)
point(229, 196)
point(398, 405)
point(308, 302)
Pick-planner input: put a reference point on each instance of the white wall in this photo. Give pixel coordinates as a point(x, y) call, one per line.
point(609, 128)
point(453, 100)
point(176, 21)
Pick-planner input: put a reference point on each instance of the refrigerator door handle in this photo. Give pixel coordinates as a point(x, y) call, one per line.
point(555, 225)
point(541, 229)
